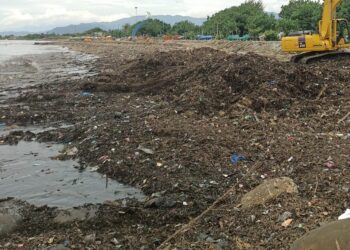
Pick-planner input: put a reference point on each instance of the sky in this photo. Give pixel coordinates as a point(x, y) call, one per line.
point(42, 15)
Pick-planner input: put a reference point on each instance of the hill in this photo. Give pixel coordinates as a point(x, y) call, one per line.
point(71, 29)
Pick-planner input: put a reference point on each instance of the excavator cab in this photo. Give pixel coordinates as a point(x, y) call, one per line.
point(343, 33)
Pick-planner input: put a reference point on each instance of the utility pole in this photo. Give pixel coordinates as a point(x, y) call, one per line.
point(136, 8)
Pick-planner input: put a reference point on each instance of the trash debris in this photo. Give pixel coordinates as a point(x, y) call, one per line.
point(160, 202)
point(266, 212)
point(146, 150)
point(115, 241)
point(253, 218)
point(72, 151)
point(8, 223)
point(290, 138)
point(86, 94)
point(269, 189)
point(94, 169)
point(222, 113)
point(118, 115)
point(248, 117)
point(2, 125)
point(284, 216)
point(345, 215)
point(287, 223)
point(66, 243)
point(329, 164)
point(235, 158)
point(90, 238)
point(104, 159)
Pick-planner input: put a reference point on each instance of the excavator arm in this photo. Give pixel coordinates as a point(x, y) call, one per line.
point(326, 26)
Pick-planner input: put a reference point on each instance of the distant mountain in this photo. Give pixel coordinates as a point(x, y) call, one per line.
point(71, 29)
point(14, 33)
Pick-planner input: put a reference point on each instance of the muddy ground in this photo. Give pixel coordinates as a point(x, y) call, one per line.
point(167, 118)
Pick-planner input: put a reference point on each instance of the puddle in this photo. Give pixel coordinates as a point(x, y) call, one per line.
point(27, 173)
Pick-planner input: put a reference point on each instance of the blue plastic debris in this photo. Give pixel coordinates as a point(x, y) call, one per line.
point(204, 38)
point(86, 94)
point(66, 243)
point(235, 158)
point(2, 125)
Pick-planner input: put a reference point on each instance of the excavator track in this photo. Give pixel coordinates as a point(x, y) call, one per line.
point(309, 57)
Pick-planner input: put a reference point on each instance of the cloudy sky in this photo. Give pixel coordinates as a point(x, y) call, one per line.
point(41, 15)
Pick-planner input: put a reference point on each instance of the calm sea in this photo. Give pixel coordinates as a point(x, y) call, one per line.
point(9, 49)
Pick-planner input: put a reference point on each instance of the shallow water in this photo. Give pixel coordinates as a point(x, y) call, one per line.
point(26, 170)
point(28, 173)
point(10, 49)
point(23, 65)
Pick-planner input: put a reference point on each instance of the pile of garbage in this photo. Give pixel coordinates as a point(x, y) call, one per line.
point(207, 80)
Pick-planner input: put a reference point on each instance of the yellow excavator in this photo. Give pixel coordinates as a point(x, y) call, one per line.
point(332, 38)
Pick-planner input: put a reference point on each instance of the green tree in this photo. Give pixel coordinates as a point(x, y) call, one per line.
point(223, 22)
point(184, 28)
point(287, 25)
point(127, 28)
point(35, 36)
point(117, 33)
point(344, 10)
point(93, 31)
point(248, 18)
point(301, 15)
point(153, 27)
point(261, 23)
point(271, 35)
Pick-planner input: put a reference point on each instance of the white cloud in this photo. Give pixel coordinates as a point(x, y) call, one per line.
point(41, 15)
point(200, 8)
point(274, 5)
point(16, 19)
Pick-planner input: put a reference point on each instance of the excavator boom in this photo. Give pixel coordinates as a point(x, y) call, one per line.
point(328, 15)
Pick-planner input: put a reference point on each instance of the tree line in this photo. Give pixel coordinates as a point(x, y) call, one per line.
point(249, 18)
